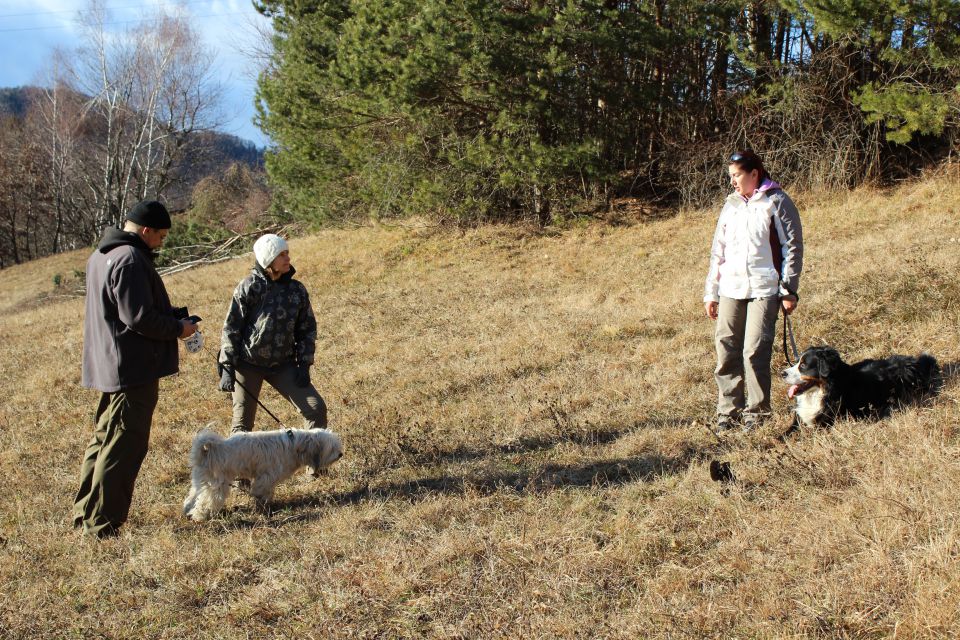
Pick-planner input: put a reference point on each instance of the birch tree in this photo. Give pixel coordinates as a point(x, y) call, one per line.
point(148, 88)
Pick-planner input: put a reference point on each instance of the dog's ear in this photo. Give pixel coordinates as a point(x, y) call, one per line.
point(304, 446)
point(334, 446)
point(827, 361)
point(326, 450)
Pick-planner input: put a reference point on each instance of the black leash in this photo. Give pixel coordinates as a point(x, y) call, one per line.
point(247, 391)
point(788, 327)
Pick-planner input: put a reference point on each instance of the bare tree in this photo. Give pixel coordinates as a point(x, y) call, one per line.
point(58, 117)
point(147, 88)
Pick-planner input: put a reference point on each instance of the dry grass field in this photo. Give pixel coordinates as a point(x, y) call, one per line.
point(524, 416)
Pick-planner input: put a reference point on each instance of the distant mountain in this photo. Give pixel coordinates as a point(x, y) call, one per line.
point(14, 101)
point(42, 216)
point(223, 149)
point(218, 149)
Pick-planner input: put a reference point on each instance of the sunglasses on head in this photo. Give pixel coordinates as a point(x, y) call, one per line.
point(738, 157)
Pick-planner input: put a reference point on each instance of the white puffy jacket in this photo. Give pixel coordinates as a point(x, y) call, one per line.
point(741, 259)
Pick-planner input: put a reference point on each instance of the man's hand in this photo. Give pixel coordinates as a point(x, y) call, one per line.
point(711, 309)
point(225, 369)
point(789, 304)
point(187, 328)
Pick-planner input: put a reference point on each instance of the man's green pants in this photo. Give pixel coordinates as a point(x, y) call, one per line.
point(113, 458)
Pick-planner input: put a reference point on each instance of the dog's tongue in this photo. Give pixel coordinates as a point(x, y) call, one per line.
point(792, 391)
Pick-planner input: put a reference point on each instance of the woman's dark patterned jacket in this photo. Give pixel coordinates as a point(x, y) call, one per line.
point(270, 322)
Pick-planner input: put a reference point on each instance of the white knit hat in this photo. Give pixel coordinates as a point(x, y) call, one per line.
point(267, 248)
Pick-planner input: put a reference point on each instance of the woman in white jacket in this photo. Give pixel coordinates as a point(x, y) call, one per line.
point(755, 266)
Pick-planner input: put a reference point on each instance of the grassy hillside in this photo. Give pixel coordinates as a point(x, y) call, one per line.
point(526, 453)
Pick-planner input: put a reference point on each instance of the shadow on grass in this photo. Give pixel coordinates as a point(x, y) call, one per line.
point(587, 435)
point(599, 474)
point(529, 444)
point(950, 370)
point(590, 474)
point(606, 473)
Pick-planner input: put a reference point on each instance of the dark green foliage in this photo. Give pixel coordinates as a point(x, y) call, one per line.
point(473, 109)
point(476, 110)
point(909, 63)
point(905, 109)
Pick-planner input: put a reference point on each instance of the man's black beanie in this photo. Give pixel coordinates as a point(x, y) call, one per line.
point(149, 213)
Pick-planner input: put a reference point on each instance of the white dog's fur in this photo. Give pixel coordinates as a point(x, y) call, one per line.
point(265, 458)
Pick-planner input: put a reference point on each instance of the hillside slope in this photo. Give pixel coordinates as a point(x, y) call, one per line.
point(523, 416)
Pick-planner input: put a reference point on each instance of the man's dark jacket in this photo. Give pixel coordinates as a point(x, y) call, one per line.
point(129, 331)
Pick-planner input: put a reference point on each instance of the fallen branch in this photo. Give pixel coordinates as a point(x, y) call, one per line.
point(183, 266)
point(217, 252)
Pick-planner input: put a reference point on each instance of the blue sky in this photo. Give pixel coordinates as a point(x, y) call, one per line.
point(30, 29)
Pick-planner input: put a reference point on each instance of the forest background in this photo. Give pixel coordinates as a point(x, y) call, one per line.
point(478, 111)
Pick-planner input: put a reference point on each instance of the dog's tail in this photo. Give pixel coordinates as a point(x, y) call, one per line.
point(930, 374)
point(920, 377)
point(203, 442)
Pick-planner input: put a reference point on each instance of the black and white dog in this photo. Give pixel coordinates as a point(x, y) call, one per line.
point(826, 388)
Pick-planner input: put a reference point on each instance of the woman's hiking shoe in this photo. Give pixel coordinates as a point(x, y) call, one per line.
point(725, 423)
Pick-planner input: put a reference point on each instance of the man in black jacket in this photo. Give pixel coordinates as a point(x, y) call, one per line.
point(130, 342)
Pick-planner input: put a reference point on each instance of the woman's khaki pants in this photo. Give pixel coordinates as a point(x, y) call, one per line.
point(249, 381)
point(744, 339)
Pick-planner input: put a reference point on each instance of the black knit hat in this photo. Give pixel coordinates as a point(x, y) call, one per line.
point(149, 213)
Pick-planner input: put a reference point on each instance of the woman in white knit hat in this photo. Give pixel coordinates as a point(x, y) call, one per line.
point(270, 334)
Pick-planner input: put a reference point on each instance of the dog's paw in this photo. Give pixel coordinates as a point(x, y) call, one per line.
point(198, 515)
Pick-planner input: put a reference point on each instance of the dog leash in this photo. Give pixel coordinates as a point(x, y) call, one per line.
point(788, 327)
point(247, 391)
point(262, 406)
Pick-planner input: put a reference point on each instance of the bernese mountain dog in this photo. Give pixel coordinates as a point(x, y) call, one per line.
point(826, 388)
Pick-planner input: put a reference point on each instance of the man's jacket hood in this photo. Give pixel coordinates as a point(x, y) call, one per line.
point(113, 238)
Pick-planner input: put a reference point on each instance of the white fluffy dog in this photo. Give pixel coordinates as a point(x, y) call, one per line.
point(265, 458)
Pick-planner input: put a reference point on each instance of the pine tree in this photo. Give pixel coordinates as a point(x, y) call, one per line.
point(909, 54)
point(476, 108)
point(513, 109)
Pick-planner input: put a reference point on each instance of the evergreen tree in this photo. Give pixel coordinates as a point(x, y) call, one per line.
point(478, 109)
point(475, 108)
point(908, 56)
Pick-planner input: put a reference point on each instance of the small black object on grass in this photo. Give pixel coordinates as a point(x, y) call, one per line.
point(721, 472)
